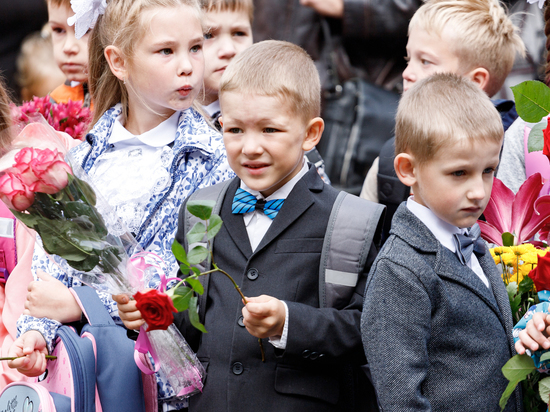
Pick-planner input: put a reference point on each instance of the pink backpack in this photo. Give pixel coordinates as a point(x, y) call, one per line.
point(8, 252)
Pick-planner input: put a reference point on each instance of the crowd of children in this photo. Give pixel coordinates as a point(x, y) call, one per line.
point(422, 323)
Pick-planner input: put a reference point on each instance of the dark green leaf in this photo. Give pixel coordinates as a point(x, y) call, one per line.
point(197, 255)
point(507, 239)
point(196, 271)
point(27, 219)
point(196, 234)
point(536, 137)
point(544, 389)
point(196, 285)
point(512, 289)
point(532, 100)
point(179, 252)
point(85, 191)
point(201, 208)
point(184, 268)
point(526, 285)
point(85, 265)
point(506, 394)
point(515, 303)
point(80, 211)
point(110, 259)
point(194, 314)
point(56, 241)
point(181, 298)
point(214, 226)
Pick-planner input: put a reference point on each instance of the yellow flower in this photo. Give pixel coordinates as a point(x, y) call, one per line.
point(499, 250)
point(530, 258)
point(509, 259)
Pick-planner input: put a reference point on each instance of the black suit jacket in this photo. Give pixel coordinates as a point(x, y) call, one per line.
point(319, 369)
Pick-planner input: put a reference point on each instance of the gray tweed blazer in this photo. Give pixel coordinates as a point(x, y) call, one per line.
point(434, 335)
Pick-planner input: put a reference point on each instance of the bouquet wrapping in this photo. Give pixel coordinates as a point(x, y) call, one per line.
point(54, 196)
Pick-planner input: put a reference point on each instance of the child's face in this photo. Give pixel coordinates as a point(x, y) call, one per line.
point(70, 53)
point(165, 73)
point(229, 34)
point(427, 54)
point(456, 184)
point(265, 140)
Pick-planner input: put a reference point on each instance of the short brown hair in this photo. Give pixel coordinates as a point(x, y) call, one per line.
point(229, 5)
point(441, 110)
point(276, 68)
point(483, 35)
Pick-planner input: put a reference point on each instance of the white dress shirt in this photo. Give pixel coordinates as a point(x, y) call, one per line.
point(257, 224)
point(444, 232)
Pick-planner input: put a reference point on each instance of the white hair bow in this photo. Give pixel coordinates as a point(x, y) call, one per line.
point(86, 14)
point(541, 2)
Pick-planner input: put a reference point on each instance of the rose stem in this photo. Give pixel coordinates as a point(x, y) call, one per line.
point(49, 357)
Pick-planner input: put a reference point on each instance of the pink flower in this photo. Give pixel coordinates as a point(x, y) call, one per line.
point(51, 171)
point(522, 215)
point(22, 166)
point(14, 193)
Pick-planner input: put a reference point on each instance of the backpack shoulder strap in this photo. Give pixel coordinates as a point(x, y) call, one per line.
point(354, 224)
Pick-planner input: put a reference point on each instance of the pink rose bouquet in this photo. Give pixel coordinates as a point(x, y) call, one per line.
point(56, 200)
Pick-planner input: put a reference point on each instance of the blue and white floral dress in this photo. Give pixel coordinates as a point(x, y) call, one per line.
point(146, 183)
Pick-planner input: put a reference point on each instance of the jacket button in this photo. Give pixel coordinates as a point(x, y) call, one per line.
point(314, 355)
point(240, 322)
point(237, 368)
point(306, 353)
point(252, 274)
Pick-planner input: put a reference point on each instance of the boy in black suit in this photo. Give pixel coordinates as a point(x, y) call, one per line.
point(270, 101)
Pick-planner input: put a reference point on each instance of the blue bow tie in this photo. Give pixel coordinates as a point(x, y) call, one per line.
point(245, 202)
point(466, 244)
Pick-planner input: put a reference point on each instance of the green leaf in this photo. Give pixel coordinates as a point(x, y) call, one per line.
point(506, 394)
point(56, 240)
point(194, 314)
point(515, 370)
point(507, 239)
point(196, 271)
point(196, 285)
point(184, 267)
point(85, 191)
point(29, 220)
point(518, 367)
point(545, 357)
point(214, 226)
point(512, 289)
point(179, 252)
point(85, 265)
point(201, 208)
point(197, 255)
point(536, 137)
point(532, 100)
point(181, 298)
point(544, 389)
point(526, 285)
point(196, 234)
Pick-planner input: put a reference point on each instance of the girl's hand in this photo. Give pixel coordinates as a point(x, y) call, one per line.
point(535, 335)
point(32, 346)
point(128, 312)
point(264, 316)
point(50, 298)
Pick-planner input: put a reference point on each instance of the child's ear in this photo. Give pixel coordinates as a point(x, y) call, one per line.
point(404, 165)
point(480, 76)
point(116, 62)
point(314, 130)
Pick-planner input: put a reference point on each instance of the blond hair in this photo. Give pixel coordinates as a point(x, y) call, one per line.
point(229, 5)
point(483, 35)
point(440, 111)
point(276, 68)
point(121, 26)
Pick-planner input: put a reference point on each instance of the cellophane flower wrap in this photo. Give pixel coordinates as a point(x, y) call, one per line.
point(52, 195)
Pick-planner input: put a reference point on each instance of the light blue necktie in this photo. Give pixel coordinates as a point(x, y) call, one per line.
point(245, 202)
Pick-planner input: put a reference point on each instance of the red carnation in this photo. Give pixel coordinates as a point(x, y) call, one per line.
point(541, 274)
point(156, 309)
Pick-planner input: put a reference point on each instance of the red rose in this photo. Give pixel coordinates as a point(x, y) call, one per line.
point(541, 274)
point(546, 148)
point(156, 309)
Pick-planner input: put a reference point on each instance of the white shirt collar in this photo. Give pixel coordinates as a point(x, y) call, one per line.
point(212, 108)
point(282, 192)
point(442, 230)
point(161, 135)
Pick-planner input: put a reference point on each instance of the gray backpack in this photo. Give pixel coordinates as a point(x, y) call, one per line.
point(345, 248)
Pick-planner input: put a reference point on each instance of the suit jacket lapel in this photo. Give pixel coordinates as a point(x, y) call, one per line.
point(234, 223)
point(297, 202)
